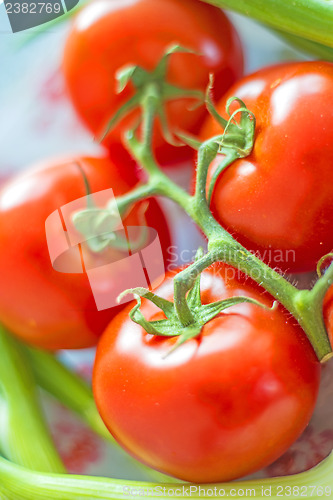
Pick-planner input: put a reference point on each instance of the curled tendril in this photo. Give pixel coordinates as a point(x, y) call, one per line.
point(321, 262)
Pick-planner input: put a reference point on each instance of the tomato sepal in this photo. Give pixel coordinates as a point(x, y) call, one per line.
point(152, 87)
point(321, 268)
point(100, 228)
point(237, 135)
point(172, 326)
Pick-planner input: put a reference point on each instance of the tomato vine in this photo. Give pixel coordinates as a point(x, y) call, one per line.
point(235, 141)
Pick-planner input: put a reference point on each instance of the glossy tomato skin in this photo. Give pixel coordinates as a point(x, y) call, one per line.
point(279, 200)
point(44, 307)
point(328, 313)
point(222, 405)
point(107, 35)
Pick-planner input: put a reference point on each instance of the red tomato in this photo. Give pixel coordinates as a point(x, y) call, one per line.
point(328, 313)
point(44, 307)
point(222, 405)
point(108, 35)
point(279, 200)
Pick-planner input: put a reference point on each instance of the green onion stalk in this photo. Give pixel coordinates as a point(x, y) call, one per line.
point(75, 394)
point(18, 483)
point(317, 50)
point(24, 436)
point(309, 19)
point(304, 24)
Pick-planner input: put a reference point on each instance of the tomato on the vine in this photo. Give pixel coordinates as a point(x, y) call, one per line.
point(220, 406)
point(328, 313)
point(108, 35)
point(278, 201)
point(47, 308)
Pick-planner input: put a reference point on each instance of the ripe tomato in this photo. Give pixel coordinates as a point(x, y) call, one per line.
point(279, 200)
point(328, 313)
point(222, 405)
point(107, 35)
point(47, 308)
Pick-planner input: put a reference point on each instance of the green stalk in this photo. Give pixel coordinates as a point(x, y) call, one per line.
point(310, 19)
point(318, 50)
point(24, 437)
point(71, 391)
point(17, 483)
point(68, 388)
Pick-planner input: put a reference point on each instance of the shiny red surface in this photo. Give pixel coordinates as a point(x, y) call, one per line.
point(107, 36)
point(278, 201)
point(222, 405)
point(47, 308)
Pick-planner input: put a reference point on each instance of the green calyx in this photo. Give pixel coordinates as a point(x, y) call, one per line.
point(236, 141)
point(100, 228)
point(238, 130)
point(172, 325)
point(152, 90)
point(238, 134)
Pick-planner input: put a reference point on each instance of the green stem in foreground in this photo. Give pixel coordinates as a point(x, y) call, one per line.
point(315, 49)
point(319, 50)
point(18, 483)
point(310, 19)
point(68, 388)
point(71, 391)
point(24, 436)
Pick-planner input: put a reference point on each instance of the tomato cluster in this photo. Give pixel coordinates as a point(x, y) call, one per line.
point(207, 411)
point(233, 399)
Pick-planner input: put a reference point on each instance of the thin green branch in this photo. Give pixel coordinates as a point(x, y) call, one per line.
point(207, 153)
point(183, 282)
point(227, 160)
point(141, 192)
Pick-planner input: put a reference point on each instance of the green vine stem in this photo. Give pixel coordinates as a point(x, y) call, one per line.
point(24, 436)
point(302, 304)
point(17, 483)
point(236, 141)
point(319, 50)
point(310, 19)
